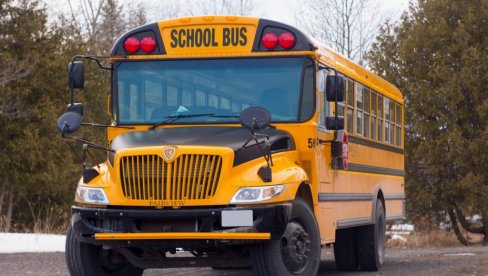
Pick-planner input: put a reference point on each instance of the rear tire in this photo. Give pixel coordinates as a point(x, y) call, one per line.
point(345, 250)
point(371, 241)
point(84, 259)
point(298, 250)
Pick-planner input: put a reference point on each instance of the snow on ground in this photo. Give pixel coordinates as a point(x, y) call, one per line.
point(26, 242)
point(403, 227)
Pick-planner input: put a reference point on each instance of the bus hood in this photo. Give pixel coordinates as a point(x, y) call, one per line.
point(218, 136)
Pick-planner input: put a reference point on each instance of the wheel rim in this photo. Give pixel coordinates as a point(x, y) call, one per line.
point(381, 238)
point(295, 248)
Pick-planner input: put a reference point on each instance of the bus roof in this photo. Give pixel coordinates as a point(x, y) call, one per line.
point(357, 72)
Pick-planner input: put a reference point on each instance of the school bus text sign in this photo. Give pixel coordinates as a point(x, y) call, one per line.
point(208, 38)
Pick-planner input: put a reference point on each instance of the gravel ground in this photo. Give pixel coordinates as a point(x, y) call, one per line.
point(425, 261)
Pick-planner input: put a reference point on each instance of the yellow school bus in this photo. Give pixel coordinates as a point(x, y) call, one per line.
point(243, 142)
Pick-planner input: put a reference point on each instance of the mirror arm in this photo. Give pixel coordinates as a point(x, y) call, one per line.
point(328, 141)
point(88, 143)
point(107, 126)
point(94, 58)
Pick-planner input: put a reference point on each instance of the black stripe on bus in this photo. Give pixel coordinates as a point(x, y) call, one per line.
point(353, 167)
point(346, 223)
point(345, 197)
point(373, 144)
point(337, 197)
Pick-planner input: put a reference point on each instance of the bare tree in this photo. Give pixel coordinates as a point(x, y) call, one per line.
point(103, 21)
point(177, 8)
point(348, 26)
point(11, 70)
point(89, 16)
point(231, 7)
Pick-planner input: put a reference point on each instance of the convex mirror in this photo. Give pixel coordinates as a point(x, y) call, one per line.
point(69, 122)
point(255, 118)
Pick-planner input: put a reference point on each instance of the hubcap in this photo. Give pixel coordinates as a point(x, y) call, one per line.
point(295, 247)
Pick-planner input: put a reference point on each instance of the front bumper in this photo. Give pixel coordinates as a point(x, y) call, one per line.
point(175, 227)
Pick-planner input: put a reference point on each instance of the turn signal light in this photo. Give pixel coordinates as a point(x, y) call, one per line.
point(132, 45)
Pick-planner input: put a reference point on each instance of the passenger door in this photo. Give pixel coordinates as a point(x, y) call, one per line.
point(327, 211)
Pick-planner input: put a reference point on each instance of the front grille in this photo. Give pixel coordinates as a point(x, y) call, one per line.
point(150, 177)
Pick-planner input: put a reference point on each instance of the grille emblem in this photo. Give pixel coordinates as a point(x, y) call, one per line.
point(169, 153)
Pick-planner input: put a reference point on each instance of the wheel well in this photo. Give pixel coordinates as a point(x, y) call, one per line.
point(305, 193)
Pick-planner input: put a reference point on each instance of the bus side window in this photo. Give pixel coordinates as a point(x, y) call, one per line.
point(398, 117)
point(366, 108)
point(373, 114)
point(200, 98)
point(153, 99)
point(350, 106)
point(135, 102)
point(187, 97)
point(359, 109)
point(387, 120)
point(341, 106)
point(380, 118)
point(322, 101)
point(172, 96)
point(392, 122)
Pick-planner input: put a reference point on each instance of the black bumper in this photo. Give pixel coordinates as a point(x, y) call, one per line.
point(86, 222)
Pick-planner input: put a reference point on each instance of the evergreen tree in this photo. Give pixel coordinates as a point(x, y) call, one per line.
point(438, 57)
point(36, 170)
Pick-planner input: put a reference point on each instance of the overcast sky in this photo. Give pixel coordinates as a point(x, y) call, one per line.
point(283, 10)
point(278, 10)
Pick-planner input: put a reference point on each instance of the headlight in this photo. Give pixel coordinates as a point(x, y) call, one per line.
point(91, 195)
point(256, 194)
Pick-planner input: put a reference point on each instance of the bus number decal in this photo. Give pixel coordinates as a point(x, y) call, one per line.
point(312, 142)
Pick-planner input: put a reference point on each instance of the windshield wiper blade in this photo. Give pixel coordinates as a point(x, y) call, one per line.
point(225, 116)
point(172, 118)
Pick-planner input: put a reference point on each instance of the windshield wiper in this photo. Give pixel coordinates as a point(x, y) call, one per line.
point(173, 118)
point(224, 116)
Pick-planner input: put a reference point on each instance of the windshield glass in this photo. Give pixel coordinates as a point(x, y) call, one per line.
point(150, 92)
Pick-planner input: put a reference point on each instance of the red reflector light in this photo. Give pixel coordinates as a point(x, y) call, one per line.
point(148, 44)
point(270, 41)
point(132, 45)
point(287, 40)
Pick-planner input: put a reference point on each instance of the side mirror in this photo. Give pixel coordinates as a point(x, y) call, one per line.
point(76, 75)
point(69, 123)
point(334, 123)
point(76, 107)
point(255, 118)
point(334, 86)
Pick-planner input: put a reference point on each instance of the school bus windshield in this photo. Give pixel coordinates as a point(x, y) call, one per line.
point(149, 92)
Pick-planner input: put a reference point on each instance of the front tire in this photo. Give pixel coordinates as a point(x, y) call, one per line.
point(371, 241)
point(298, 250)
point(84, 259)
